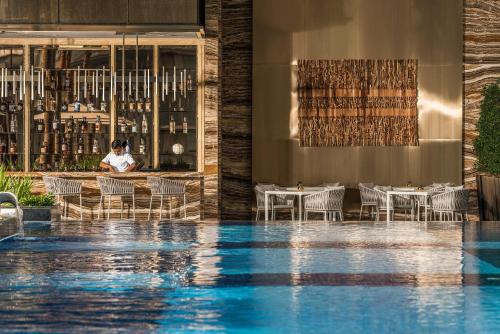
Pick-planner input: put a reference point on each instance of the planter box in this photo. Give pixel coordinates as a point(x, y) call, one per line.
point(38, 214)
point(488, 196)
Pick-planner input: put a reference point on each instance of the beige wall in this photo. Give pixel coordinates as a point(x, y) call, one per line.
point(287, 30)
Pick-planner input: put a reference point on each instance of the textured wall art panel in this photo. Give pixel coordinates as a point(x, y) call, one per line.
point(358, 102)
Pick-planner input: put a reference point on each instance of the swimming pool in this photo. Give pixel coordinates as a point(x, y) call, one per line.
point(279, 277)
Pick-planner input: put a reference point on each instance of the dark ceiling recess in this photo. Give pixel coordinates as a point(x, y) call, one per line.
point(167, 14)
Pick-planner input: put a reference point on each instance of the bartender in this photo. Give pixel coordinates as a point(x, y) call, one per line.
point(118, 160)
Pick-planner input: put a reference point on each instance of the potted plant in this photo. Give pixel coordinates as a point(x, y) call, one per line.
point(487, 148)
point(34, 207)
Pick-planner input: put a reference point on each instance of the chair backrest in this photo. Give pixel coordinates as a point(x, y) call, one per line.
point(335, 197)
point(453, 200)
point(111, 186)
point(367, 194)
point(329, 199)
point(60, 186)
point(260, 190)
point(164, 186)
point(382, 199)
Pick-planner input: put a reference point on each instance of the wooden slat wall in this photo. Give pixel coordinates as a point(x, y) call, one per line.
point(481, 67)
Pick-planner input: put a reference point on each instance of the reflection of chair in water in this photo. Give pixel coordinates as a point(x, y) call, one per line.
point(10, 198)
point(64, 188)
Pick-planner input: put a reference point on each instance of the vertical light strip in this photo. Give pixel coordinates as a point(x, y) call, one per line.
point(163, 84)
point(32, 83)
point(103, 82)
point(14, 83)
point(85, 85)
point(174, 87)
point(156, 112)
point(78, 84)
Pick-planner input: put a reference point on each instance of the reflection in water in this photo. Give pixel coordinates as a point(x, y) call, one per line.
point(143, 277)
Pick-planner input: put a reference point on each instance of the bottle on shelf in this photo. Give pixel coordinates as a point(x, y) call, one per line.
point(84, 125)
point(98, 124)
point(64, 107)
point(172, 124)
point(55, 123)
point(140, 104)
point(90, 106)
point(51, 103)
point(20, 107)
point(67, 82)
point(123, 126)
point(13, 123)
point(3, 107)
point(70, 124)
point(95, 147)
point(39, 126)
point(142, 146)
point(134, 126)
point(131, 104)
point(45, 148)
point(104, 106)
point(12, 106)
point(64, 146)
point(13, 147)
point(77, 104)
point(123, 107)
point(189, 82)
point(147, 105)
point(128, 147)
point(184, 125)
point(40, 105)
point(81, 147)
point(144, 124)
point(3, 146)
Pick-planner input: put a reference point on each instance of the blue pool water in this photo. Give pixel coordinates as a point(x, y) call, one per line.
point(121, 276)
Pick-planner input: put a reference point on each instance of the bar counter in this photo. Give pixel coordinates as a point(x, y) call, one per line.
point(195, 189)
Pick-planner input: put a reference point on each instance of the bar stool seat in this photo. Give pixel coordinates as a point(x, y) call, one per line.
point(114, 187)
point(62, 188)
point(163, 187)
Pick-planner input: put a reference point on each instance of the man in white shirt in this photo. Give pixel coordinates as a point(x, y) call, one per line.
point(118, 160)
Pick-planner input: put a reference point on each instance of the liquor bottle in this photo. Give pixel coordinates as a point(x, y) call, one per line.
point(172, 124)
point(123, 107)
point(67, 82)
point(39, 126)
point(98, 124)
point(134, 126)
point(189, 82)
point(12, 106)
point(3, 147)
point(90, 106)
point(185, 125)
point(147, 105)
point(139, 104)
point(40, 105)
point(70, 124)
point(64, 146)
point(95, 147)
point(64, 107)
point(45, 148)
point(131, 104)
point(144, 124)
point(84, 125)
point(13, 147)
point(51, 104)
point(20, 107)
point(13, 123)
point(123, 126)
point(128, 147)
point(80, 149)
point(142, 147)
point(55, 123)
point(77, 104)
point(104, 106)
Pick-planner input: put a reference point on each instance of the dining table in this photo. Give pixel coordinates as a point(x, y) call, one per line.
point(411, 193)
point(290, 191)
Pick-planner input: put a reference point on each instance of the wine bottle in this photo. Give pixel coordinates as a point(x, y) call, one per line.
point(13, 147)
point(134, 126)
point(45, 148)
point(80, 148)
point(98, 124)
point(77, 104)
point(142, 147)
point(71, 124)
point(95, 147)
point(123, 126)
point(64, 146)
point(13, 123)
point(185, 125)
point(39, 105)
point(131, 104)
point(172, 124)
point(20, 107)
point(64, 107)
point(139, 104)
point(39, 126)
point(189, 82)
point(144, 124)
point(55, 123)
point(148, 105)
point(84, 125)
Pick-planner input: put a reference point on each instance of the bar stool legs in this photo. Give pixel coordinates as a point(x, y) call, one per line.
point(161, 205)
point(185, 209)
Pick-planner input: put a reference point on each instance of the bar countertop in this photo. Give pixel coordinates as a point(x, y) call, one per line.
point(129, 175)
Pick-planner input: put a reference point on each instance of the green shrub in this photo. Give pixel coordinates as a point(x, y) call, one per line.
point(38, 200)
point(487, 144)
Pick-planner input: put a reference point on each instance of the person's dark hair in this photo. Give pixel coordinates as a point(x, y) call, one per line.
point(125, 144)
point(116, 143)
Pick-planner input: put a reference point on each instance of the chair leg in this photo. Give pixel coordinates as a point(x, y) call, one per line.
point(305, 215)
point(100, 208)
point(161, 205)
point(257, 214)
point(133, 205)
point(109, 205)
point(185, 208)
point(341, 216)
point(150, 206)
point(81, 209)
point(324, 216)
point(170, 206)
point(360, 211)
point(466, 217)
point(121, 211)
point(293, 214)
